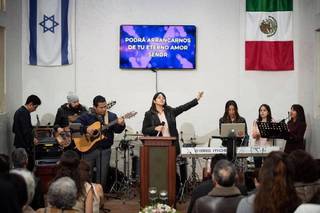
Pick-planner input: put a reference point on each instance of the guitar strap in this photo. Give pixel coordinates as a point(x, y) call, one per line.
point(106, 118)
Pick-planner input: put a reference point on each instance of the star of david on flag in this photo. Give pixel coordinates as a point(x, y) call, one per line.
point(49, 32)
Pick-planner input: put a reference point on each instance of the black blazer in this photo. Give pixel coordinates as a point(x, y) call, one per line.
point(151, 120)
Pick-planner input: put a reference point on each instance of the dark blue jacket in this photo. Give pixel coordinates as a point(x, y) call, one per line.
point(89, 118)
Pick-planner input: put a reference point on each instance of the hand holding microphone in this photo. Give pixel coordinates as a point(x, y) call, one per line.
point(160, 128)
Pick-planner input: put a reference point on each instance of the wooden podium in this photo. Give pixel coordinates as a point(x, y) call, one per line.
point(157, 167)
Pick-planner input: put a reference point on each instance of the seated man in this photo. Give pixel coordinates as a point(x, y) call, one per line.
point(225, 196)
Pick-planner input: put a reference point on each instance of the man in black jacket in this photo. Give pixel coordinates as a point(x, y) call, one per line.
point(68, 112)
point(23, 129)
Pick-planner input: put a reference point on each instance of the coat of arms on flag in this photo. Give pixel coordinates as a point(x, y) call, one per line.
point(269, 39)
point(49, 32)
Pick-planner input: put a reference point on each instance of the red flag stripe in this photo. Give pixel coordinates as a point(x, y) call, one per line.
point(269, 55)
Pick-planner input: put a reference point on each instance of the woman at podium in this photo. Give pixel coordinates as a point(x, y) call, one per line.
point(160, 120)
point(296, 128)
point(263, 116)
point(231, 115)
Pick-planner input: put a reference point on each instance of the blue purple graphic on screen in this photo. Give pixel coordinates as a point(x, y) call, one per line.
point(157, 47)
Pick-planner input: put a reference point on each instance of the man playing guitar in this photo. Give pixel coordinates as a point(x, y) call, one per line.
point(99, 154)
point(67, 113)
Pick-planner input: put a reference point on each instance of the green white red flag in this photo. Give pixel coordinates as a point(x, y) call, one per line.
point(269, 38)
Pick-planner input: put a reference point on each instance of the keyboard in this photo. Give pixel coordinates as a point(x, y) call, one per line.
point(242, 151)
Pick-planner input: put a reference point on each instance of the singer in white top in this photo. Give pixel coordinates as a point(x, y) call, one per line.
point(264, 116)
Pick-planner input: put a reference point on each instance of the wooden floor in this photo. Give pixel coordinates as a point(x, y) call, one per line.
point(133, 205)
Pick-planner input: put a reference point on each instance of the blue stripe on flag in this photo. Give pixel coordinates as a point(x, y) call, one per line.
point(33, 32)
point(64, 31)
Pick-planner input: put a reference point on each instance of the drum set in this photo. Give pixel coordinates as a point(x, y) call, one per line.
point(124, 185)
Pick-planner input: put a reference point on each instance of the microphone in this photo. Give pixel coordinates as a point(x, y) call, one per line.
point(162, 124)
point(181, 139)
point(38, 121)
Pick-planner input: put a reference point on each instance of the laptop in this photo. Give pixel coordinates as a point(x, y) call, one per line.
point(233, 129)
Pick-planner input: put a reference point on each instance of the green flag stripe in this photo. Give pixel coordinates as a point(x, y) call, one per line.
point(269, 5)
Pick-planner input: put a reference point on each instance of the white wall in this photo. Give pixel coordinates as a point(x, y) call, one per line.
point(220, 63)
point(11, 20)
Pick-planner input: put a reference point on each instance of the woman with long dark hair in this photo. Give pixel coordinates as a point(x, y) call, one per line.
point(297, 127)
point(264, 115)
point(276, 192)
point(231, 115)
point(160, 120)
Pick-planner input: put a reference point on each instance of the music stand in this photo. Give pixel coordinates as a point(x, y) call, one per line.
point(273, 130)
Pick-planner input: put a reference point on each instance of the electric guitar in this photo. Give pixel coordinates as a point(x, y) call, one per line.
point(86, 141)
point(63, 138)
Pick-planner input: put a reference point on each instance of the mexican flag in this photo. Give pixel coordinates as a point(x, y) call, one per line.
point(269, 40)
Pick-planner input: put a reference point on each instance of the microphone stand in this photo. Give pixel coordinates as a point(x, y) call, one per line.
point(155, 71)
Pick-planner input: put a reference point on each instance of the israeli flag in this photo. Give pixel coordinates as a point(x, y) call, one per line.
point(49, 32)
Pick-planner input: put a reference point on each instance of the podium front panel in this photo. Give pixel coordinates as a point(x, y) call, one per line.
point(158, 167)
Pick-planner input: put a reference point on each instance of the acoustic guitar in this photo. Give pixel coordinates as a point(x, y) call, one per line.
point(86, 141)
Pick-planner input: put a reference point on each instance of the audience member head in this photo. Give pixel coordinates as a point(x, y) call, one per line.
point(69, 167)
point(19, 158)
point(231, 110)
point(62, 193)
point(264, 112)
point(29, 181)
point(297, 113)
point(305, 167)
point(9, 201)
point(224, 173)
point(215, 159)
point(276, 192)
point(4, 164)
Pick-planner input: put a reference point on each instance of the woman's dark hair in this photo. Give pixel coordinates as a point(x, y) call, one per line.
point(300, 113)
point(276, 192)
point(226, 110)
point(9, 199)
point(269, 116)
point(153, 105)
point(4, 164)
point(305, 167)
point(69, 167)
point(20, 188)
point(85, 171)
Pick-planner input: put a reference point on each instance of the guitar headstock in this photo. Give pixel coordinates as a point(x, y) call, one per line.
point(129, 114)
point(111, 104)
